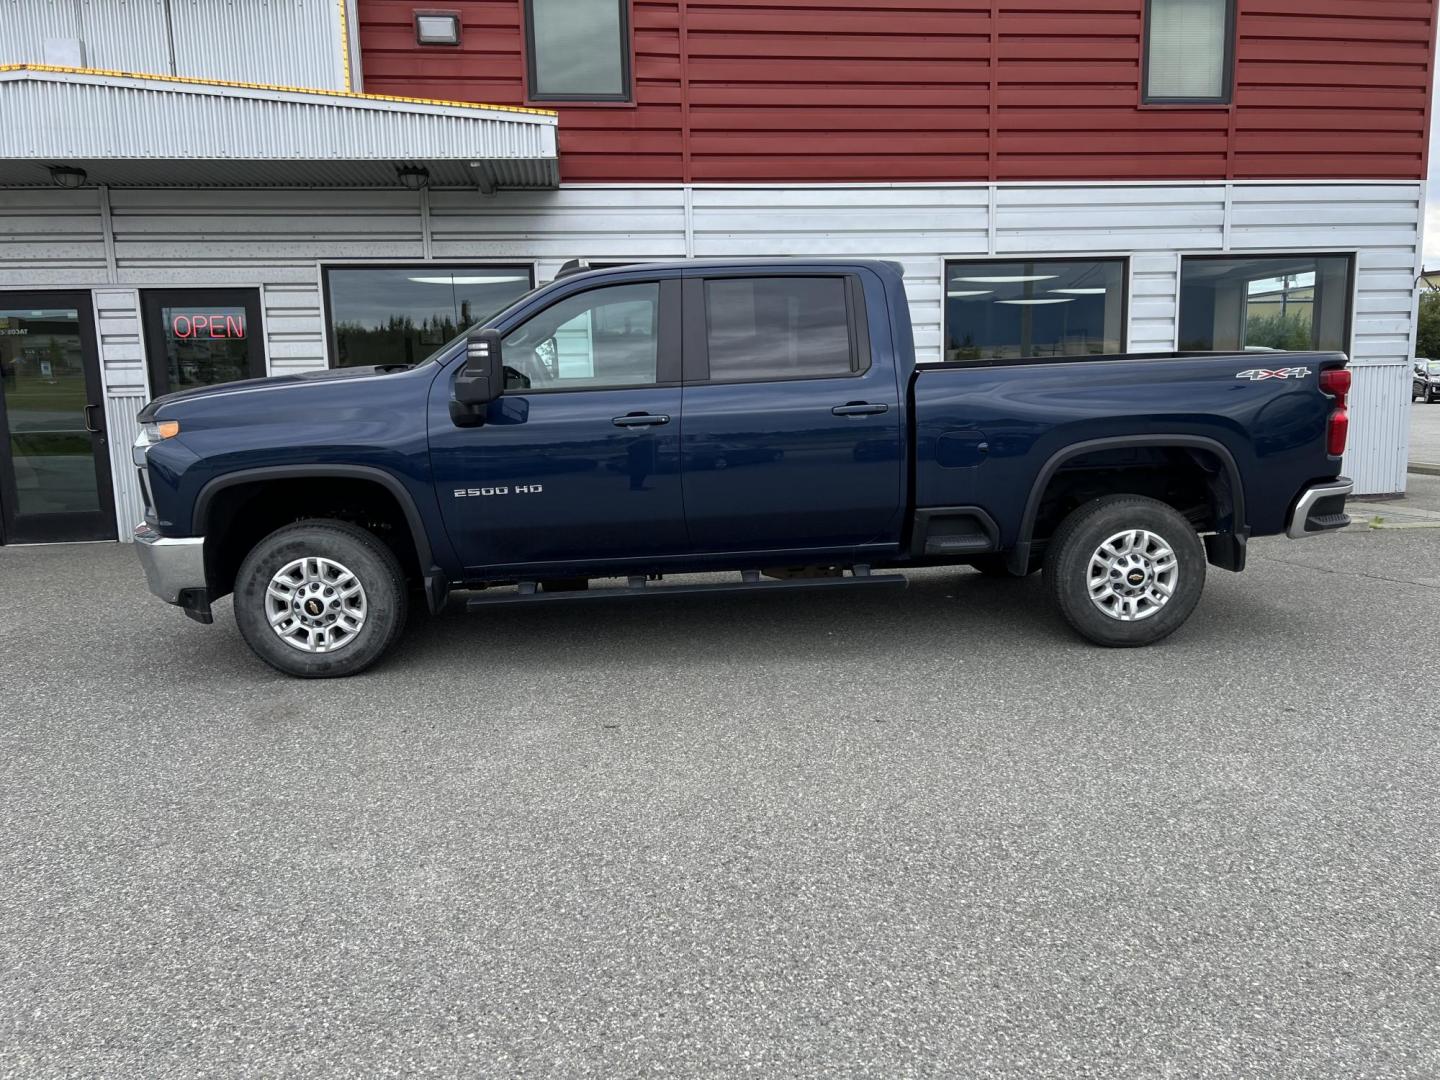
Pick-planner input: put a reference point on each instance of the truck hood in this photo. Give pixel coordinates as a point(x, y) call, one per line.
point(307, 378)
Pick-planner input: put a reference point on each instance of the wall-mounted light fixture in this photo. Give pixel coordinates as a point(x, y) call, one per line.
point(413, 176)
point(66, 177)
point(437, 27)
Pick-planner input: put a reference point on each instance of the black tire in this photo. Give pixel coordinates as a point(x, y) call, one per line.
point(368, 559)
point(1068, 558)
point(995, 566)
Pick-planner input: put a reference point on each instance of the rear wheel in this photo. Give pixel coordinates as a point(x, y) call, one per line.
point(320, 599)
point(1125, 570)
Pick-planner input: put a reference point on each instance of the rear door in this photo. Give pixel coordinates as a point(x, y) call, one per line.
point(792, 435)
point(579, 460)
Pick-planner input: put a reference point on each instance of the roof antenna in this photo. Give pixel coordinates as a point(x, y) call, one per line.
point(574, 266)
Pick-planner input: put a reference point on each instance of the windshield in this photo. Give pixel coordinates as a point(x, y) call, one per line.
point(458, 338)
point(1434, 367)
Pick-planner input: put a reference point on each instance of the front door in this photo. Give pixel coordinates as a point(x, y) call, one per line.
point(579, 460)
point(54, 466)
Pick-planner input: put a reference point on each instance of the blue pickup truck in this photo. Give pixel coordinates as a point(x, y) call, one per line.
point(629, 426)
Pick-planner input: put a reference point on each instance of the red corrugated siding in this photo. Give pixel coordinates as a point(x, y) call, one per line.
point(835, 90)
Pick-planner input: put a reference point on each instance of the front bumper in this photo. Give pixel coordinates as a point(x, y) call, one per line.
point(1321, 509)
point(173, 567)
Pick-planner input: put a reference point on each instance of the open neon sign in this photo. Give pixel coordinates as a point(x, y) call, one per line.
point(191, 327)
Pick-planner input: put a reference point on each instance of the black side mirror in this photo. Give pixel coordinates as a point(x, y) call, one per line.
point(482, 379)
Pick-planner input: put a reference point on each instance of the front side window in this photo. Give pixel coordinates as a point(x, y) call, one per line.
point(402, 314)
point(201, 337)
point(578, 50)
point(601, 339)
point(1188, 51)
point(1265, 303)
point(777, 328)
point(1041, 307)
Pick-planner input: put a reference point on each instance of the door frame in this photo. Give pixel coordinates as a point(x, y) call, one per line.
point(152, 300)
point(99, 524)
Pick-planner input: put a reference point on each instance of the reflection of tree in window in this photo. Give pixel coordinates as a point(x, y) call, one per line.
point(400, 315)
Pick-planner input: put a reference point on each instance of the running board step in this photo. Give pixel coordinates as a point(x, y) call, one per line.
point(639, 587)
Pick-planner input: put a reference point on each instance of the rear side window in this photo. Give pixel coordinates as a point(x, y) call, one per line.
point(778, 328)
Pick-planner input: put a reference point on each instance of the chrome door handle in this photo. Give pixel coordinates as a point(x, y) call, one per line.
point(859, 408)
point(91, 428)
point(641, 420)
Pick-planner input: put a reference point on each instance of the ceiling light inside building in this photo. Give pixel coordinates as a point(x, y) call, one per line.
point(1081, 292)
point(1016, 279)
point(970, 292)
point(467, 279)
point(1037, 303)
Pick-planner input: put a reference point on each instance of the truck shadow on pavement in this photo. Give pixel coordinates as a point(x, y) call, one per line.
point(955, 608)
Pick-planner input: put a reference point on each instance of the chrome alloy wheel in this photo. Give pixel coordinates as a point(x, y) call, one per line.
point(1133, 575)
point(315, 605)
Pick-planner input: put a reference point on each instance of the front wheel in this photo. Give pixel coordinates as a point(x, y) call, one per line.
point(1125, 570)
point(320, 599)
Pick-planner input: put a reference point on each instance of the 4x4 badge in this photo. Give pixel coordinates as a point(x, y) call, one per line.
point(1261, 374)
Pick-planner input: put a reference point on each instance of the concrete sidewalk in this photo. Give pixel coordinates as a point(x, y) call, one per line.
point(1420, 508)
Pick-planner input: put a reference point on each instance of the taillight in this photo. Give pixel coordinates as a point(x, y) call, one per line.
point(1336, 383)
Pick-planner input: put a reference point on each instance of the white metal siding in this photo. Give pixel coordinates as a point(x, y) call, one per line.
point(287, 42)
point(1154, 301)
point(1379, 427)
point(276, 240)
point(294, 327)
point(122, 368)
point(551, 227)
point(84, 117)
point(252, 237)
point(51, 238)
point(295, 43)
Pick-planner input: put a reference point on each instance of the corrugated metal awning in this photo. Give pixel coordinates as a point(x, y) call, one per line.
point(130, 130)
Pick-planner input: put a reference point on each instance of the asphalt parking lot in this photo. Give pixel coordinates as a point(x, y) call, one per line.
point(928, 834)
point(1425, 432)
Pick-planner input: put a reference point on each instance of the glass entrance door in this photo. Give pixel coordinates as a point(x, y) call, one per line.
point(54, 466)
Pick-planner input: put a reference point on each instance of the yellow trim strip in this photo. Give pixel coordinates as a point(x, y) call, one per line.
point(348, 94)
point(345, 46)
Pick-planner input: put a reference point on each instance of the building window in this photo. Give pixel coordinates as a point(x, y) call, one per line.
point(402, 314)
point(1050, 307)
point(1264, 303)
point(1189, 51)
point(200, 337)
point(603, 338)
point(578, 50)
point(778, 328)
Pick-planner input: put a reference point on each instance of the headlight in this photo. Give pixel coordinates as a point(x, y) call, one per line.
point(157, 431)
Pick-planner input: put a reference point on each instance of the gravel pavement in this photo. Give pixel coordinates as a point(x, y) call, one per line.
point(923, 834)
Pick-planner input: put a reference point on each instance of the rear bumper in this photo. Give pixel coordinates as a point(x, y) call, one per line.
point(173, 567)
point(1321, 509)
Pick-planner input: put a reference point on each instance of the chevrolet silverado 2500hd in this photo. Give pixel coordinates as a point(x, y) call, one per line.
point(759, 416)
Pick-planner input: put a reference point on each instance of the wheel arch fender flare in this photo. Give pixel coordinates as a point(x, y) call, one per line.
point(1020, 554)
point(435, 580)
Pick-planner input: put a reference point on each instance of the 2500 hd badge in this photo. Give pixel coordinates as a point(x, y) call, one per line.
point(518, 489)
